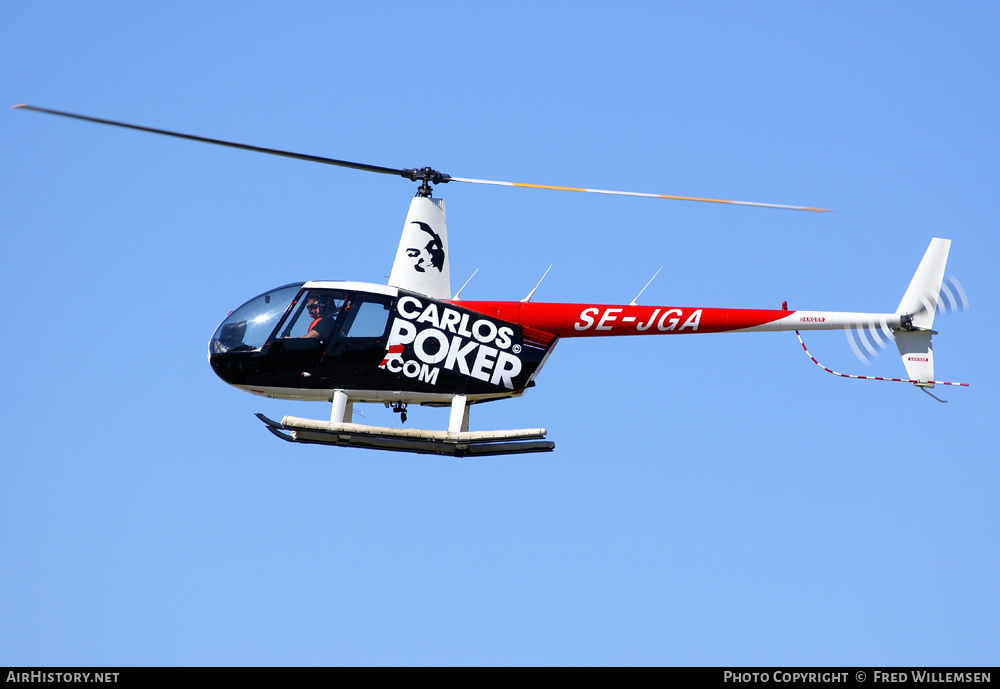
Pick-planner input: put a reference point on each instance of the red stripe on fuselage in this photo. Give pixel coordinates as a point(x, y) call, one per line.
point(596, 320)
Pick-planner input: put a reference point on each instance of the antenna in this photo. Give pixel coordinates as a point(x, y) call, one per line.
point(632, 303)
point(532, 292)
point(456, 298)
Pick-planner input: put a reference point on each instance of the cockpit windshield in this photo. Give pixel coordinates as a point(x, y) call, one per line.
point(303, 320)
point(247, 328)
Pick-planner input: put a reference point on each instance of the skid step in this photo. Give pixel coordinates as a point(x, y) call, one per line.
point(464, 444)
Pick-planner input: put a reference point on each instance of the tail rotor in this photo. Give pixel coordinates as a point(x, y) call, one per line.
point(868, 341)
point(927, 294)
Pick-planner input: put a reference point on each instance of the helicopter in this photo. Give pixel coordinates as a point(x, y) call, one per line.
point(414, 341)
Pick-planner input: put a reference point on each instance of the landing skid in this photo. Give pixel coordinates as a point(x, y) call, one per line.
point(456, 444)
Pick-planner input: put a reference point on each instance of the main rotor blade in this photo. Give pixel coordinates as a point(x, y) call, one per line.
point(427, 175)
point(636, 193)
point(220, 142)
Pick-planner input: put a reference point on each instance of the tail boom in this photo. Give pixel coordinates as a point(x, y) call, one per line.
point(910, 325)
point(607, 320)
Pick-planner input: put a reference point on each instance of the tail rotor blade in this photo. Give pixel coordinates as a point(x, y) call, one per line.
point(963, 301)
point(954, 298)
point(849, 331)
point(864, 340)
point(873, 330)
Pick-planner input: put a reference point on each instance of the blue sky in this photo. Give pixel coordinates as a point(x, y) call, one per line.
point(712, 500)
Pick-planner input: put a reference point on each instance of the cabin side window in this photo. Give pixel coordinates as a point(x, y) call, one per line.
point(367, 316)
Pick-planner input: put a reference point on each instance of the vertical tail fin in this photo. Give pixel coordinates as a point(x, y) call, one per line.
point(421, 263)
point(916, 311)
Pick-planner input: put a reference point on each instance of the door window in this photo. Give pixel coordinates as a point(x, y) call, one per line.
point(367, 316)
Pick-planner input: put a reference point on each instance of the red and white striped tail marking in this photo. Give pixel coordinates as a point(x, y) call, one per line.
point(894, 380)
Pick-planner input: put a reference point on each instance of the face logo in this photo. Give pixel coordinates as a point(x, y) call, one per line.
point(432, 254)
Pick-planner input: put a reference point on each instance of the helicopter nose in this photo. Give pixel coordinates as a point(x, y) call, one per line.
point(235, 368)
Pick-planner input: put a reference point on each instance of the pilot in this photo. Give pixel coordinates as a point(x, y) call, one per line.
point(323, 310)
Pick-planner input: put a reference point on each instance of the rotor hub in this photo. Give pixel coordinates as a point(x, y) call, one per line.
point(426, 176)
